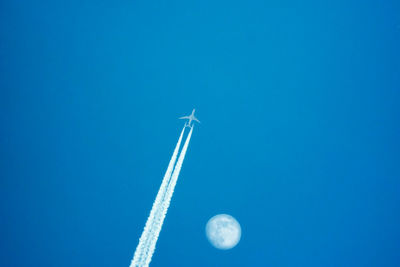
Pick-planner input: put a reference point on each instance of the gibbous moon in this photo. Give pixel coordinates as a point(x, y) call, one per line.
point(223, 231)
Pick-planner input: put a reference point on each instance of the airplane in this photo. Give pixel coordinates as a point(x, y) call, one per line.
point(191, 118)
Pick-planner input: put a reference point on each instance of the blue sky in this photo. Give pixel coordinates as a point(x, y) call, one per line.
point(299, 138)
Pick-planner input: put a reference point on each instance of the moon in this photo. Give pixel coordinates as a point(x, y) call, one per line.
point(223, 231)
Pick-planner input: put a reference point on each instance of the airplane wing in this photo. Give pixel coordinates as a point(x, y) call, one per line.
point(185, 117)
point(195, 119)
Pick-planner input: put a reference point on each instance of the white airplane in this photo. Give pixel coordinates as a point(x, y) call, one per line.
point(191, 118)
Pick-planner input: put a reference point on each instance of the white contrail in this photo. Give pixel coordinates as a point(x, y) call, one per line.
point(159, 219)
point(140, 253)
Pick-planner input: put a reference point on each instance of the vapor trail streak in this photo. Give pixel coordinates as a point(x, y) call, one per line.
point(139, 256)
point(159, 219)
